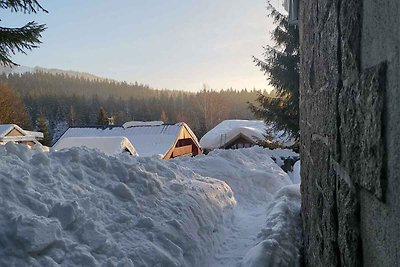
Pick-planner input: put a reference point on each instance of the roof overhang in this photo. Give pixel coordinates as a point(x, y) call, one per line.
point(234, 138)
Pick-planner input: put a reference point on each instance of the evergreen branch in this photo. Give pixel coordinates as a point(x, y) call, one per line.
point(26, 6)
point(13, 40)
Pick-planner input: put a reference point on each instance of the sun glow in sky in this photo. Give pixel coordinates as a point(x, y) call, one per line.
point(171, 44)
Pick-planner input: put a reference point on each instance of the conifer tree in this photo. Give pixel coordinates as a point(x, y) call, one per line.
point(281, 66)
point(102, 118)
point(27, 37)
point(44, 128)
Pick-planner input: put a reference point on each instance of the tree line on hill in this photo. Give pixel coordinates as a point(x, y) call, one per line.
point(64, 101)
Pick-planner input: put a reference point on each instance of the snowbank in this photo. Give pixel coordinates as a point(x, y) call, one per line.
point(77, 207)
point(280, 240)
point(268, 201)
point(295, 175)
point(250, 172)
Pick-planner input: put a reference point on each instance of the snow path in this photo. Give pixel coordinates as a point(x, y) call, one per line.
point(240, 237)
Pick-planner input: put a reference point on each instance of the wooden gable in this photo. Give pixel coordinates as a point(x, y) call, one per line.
point(185, 144)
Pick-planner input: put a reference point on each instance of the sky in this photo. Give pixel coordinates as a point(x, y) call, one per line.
point(171, 44)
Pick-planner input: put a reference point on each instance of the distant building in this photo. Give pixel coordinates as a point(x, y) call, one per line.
point(147, 138)
point(14, 133)
point(233, 134)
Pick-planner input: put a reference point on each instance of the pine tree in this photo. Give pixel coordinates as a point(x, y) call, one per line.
point(27, 37)
point(281, 66)
point(102, 118)
point(43, 127)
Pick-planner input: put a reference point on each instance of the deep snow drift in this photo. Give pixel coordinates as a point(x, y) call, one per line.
point(280, 239)
point(251, 173)
point(266, 225)
point(79, 207)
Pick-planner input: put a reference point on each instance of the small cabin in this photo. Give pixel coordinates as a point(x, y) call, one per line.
point(233, 134)
point(14, 133)
point(147, 138)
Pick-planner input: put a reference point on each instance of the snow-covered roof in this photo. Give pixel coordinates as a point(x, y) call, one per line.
point(35, 134)
point(228, 130)
point(27, 135)
point(6, 128)
point(108, 145)
point(147, 138)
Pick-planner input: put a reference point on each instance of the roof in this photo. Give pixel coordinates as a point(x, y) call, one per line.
point(148, 138)
point(228, 130)
point(108, 145)
point(5, 129)
point(28, 135)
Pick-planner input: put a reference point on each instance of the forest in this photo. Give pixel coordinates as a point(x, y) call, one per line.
point(65, 100)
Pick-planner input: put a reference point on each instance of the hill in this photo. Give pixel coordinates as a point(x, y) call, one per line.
point(23, 69)
point(67, 100)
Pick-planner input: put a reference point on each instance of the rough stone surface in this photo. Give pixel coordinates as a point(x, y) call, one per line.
point(349, 123)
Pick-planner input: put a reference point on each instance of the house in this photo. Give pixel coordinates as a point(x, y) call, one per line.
point(148, 138)
point(233, 134)
point(14, 133)
point(108, 145)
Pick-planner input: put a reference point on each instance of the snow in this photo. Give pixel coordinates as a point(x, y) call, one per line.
point(259, 233)
point(35, 134)
point(108, 145)
point(5, 129)
point(295, 175)
point(142, 123)
point(251, 173)
point(228, 130)
point(78, 207)
point(27, 135)
point(148, 140)
point(280, 239)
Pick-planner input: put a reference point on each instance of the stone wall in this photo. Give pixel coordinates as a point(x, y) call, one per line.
point(350, 125)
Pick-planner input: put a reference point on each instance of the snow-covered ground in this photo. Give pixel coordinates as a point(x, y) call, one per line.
point(266, 227)
point(79, 207)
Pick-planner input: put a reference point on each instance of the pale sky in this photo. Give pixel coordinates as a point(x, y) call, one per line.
point(173, 44)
